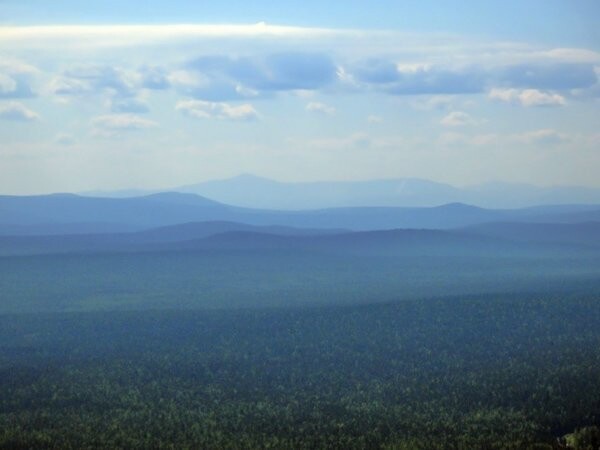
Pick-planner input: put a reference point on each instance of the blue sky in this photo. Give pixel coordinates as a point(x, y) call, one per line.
point(109, 95)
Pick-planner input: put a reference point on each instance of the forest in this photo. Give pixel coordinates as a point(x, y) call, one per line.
point(488, 372)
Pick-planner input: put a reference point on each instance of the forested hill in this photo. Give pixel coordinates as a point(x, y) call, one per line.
point(67, 213)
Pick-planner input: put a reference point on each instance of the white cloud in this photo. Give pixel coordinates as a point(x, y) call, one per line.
point(527, 97)
point(224, 77)
point(187, 79)
point(533, 97)
point(459, 119)
point(200, 109)
point(246, 91)
point(7, 84)
point(462, 139)
point(542, 137)
point(374, 119)
point(121, 89)
point(16, 78)
point(16, 67)
point(264, 59)
point(96, 78)
point(576, 55)
point(320, 108)
point(68, 86)
point(18, 112)
point(114, 124)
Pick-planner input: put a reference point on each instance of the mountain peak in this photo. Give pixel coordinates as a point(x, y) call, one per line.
point(459, 205)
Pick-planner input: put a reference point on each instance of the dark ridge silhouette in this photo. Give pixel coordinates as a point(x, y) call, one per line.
point(496, 239)
point(45, 229)
point(139, 240)
point(197, 230)
point(586, 233)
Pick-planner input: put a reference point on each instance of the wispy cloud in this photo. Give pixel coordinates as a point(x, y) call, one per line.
point(114, 124)
point(7, 84)
point(200, 109)
point(17, 112)
point(17, 67)
point(459, 119)
point(96, 78)
point(527, 97)
point(16, 78)
point(319, 107)
point(542, 137)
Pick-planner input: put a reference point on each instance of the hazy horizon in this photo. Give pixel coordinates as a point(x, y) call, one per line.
point(167, 188)
point(251, 176)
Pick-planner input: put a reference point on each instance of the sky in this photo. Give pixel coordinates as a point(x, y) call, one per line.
point(118, 95)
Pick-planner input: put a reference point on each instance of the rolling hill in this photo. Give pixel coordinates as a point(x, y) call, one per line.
point(60, 213)
point(585, 233)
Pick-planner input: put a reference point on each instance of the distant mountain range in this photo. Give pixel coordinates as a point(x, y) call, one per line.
point(255, 192)
point(494, 238)
point(65, 251)
point(73, 214)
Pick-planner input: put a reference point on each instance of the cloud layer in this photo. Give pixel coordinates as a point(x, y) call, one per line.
point(459, 119)
point(115, 124)
point(261, 59)
point(311, 101)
